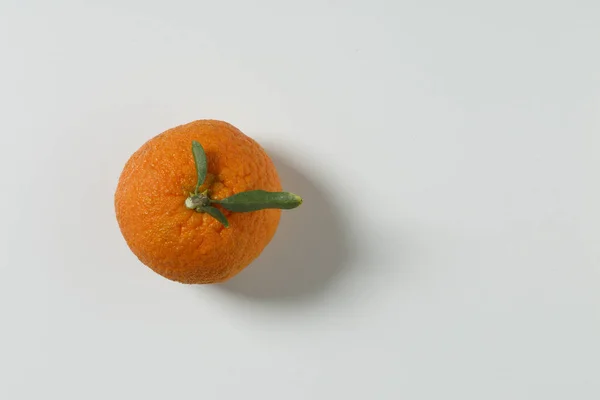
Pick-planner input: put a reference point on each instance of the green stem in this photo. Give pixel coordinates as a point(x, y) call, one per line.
point(252, 200)
point(196, 201)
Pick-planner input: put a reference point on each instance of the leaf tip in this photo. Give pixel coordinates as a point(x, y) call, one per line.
point(297, 199)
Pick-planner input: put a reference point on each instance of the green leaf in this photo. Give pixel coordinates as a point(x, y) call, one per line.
point(259, 200)
point(216, 214)
point(201, 165)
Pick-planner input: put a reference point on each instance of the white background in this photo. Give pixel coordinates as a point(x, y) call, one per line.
point(448, 154)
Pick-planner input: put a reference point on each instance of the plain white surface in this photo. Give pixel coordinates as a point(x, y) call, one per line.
point(447, 153)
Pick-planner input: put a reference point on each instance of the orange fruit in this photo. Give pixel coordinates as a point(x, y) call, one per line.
point(180, 243)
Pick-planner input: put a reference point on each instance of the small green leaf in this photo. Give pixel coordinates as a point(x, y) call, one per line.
point(201, 166)
point(216, 214)
point(259, 200)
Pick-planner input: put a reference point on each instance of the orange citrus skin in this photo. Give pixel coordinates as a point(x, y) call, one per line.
point(182, 244)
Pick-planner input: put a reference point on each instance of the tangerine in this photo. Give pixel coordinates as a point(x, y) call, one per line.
point(184, 244)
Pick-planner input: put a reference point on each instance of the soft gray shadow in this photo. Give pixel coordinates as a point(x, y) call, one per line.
point(310, 249)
